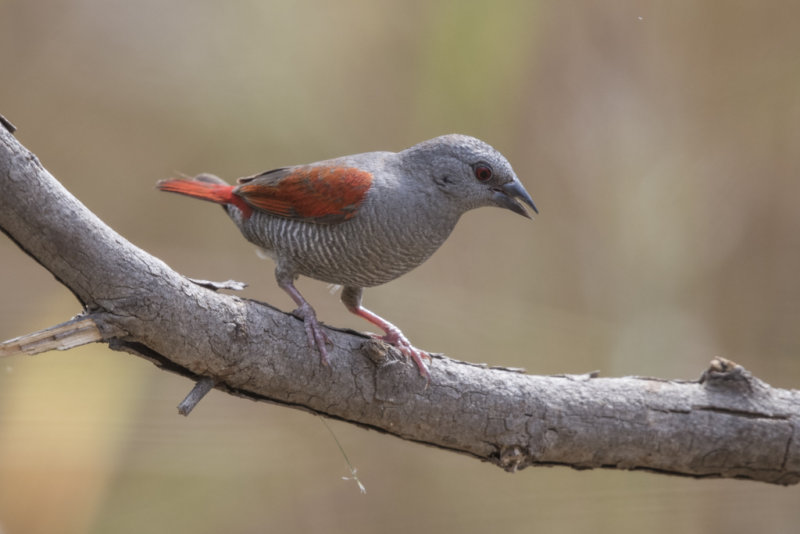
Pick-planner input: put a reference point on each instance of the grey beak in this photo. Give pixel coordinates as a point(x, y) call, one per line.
point(508, 196)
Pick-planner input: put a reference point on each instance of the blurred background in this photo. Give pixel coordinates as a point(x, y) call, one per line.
point(659, 139)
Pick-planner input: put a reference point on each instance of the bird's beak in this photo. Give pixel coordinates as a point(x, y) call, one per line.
point(509, 195)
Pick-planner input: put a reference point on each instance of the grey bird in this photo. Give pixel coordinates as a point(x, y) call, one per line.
point(362, 220)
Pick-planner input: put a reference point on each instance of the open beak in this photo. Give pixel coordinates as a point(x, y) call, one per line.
point(509, 196)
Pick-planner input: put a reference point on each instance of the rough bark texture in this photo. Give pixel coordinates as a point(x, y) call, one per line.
point(728, 424)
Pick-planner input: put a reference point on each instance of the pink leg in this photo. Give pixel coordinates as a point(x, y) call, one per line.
point(351, 297)
point(316, 335)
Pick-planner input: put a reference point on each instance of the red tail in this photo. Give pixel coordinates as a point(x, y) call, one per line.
point(204, 189)
point(219, 193)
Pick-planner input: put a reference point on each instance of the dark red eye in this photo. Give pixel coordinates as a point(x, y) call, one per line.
point(483, 173)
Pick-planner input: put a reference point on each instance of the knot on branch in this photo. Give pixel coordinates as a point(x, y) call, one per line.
point(724, 375)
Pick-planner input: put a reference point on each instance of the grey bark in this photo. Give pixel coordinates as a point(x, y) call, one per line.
point(728, 424)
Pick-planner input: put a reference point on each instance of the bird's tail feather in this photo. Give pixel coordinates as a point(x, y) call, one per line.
point(204, 186)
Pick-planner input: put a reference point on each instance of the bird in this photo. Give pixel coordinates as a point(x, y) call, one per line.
point(362, 220)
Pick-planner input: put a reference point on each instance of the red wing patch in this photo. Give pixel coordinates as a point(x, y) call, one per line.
point(320, 194)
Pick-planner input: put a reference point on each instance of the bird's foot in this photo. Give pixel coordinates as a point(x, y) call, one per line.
point(314, 332)
point(396, 338)
point(351, 297)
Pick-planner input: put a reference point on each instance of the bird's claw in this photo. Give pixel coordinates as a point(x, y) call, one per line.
point(396, 338)
point(314, 332)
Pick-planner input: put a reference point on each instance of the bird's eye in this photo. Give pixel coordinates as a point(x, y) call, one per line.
point(483, 172)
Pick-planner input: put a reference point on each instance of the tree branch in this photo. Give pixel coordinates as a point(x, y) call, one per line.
point(728, 424)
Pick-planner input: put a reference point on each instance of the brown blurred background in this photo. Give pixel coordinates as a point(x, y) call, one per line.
point(659, 139)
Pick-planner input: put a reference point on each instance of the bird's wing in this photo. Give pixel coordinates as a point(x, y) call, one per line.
point(322, 194)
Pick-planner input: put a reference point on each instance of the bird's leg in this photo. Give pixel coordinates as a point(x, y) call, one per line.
point(351, 297)
point(316, 335)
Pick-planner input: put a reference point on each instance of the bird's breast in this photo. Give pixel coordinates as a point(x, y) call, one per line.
point(370, 249)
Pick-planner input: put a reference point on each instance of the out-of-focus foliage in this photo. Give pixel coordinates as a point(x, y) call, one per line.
point(660, 141)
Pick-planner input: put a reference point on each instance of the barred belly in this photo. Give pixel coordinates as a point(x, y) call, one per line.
point(363, 251)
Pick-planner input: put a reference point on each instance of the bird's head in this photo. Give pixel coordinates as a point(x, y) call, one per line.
point(469, 172)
